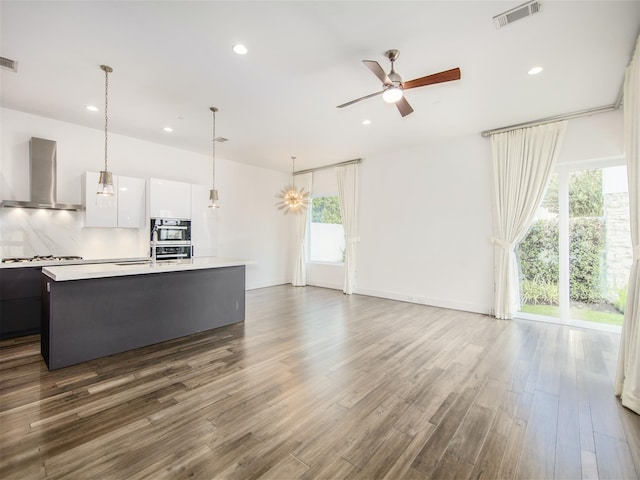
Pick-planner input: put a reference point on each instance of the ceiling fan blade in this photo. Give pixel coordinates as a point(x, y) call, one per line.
point(446, 76)
point(377, 71)
point(403, 107)
point(358, 99)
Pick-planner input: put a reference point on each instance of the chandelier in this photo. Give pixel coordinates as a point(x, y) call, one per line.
point(104, 195)
point(293, 200)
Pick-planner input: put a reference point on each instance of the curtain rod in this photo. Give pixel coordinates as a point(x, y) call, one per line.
point(309, 170)
point(566, 116)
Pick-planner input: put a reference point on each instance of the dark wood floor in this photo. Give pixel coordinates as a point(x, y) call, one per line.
point(316, 384)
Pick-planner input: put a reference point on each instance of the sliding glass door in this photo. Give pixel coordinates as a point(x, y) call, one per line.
point(575, 260)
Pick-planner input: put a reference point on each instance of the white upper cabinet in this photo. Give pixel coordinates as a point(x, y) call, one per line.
point(99, 216)
point(169, 199)
point(127, 206)
point(203, 223)
point(131, 202)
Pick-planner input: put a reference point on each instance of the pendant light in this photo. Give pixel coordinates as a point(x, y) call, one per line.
point(293, 200)
point(105, 193)
point(213, 193)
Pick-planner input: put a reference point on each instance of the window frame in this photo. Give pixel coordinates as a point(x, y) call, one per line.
point(308, 236)
point(563, 170)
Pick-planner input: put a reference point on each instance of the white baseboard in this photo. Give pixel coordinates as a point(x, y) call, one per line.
point(403, 297)
point(433, 302)
point(333, 286)
point(271, 283)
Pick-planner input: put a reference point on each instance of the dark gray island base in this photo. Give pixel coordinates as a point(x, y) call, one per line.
point(90, 318)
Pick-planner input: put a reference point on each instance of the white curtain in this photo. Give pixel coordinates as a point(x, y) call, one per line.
point(348, 197)
point(300, 249)
point(523, 161)
point(628, 372)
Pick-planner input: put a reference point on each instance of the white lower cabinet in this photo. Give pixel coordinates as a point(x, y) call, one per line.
point(169, 199)
point(127, 207)
point(203, 223)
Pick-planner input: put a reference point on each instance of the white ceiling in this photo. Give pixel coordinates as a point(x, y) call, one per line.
point(173, 60)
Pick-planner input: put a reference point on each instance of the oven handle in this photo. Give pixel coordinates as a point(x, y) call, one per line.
point(173, 243)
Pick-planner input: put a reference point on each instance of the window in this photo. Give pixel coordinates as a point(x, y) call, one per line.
point(326, 233)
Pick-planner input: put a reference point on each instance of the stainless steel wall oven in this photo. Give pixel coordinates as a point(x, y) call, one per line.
point(173, 238)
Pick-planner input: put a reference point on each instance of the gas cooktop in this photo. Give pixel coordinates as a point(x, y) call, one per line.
point(41, 258)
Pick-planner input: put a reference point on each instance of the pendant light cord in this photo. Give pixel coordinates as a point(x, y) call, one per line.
point(106, 118)
point(213, 148)
point(106, 69)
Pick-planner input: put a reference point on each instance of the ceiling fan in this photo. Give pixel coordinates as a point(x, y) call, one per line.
point(393, 86)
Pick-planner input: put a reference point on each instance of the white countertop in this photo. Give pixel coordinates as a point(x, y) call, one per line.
point(63, 273)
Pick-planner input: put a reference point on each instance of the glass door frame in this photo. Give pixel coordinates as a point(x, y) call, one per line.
point(563, 169)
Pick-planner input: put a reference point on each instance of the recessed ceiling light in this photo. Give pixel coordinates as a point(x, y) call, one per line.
point(92, 108)
point(168, 129)
point(535, 70)
point(240, 49)
point(366, 122)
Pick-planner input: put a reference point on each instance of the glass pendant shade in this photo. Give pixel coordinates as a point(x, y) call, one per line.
point(105, 183)
point(392, 94)
point(105, 194)
point(213, 199)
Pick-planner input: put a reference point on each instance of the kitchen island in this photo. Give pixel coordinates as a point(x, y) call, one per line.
point(92, 311)
point(20, 286)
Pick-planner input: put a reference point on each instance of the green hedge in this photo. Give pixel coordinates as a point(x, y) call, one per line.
point(539, 259)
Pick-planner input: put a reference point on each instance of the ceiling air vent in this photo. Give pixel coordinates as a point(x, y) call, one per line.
point(517, 13)
point(8, 64)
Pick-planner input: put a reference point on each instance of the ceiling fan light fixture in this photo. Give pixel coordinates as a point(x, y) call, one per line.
point(240, 49)
point(392, 94)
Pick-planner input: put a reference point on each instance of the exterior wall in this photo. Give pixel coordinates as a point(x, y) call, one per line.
point(619, 252)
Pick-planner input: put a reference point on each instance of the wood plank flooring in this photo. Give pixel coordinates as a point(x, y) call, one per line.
point(319, 385)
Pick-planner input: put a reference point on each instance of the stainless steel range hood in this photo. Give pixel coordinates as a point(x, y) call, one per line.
point(42, 172)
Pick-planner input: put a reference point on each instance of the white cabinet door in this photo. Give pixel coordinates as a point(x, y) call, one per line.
point(131, 202)
point(169, 199)
point(95, 216)
point(203, 223)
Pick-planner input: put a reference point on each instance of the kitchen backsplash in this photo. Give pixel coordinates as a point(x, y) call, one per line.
point(28, 232)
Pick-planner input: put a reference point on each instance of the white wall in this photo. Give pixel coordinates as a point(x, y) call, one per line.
point(425, 224)
point(249, 225)
point(594, 137)
point(425, 213)
point(425, 216)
